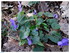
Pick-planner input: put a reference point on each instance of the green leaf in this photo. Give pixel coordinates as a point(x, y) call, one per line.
point(36, 39)
point(38, 48)
point(33, 2)
point(32, 27)
point(48, 14)
point(55, 26)
point(53, 39)
point(28, 20)
point(40, 14)
point(35, 16)
point(20, 17)
point(46, 28)
point(32, 17)
point(50, 21)
point(22, 29)
point(21, 20)
point(45, 38)
point(41, 44)
point(27, 24)
point(41, 34)
point(44, 24)
point(21, 34)
point(22, 42)
point(22, 12)
point(12, 28)
point(39, 21)
point(34, 32)
point(24, 34)
point(55, 36)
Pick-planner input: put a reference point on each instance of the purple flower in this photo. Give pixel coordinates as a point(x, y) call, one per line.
point(29, 41)
point(35, 12)
point(36, 29)
point(55, 16)
point(19, 6)
point(63, 42)
point(13, 24)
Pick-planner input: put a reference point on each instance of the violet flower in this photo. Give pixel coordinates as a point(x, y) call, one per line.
point(36, 29)
point(55, 16)
point(13, 24)
point(35, 12)
point(29, 41)
point(63, 42)
point(19, 6)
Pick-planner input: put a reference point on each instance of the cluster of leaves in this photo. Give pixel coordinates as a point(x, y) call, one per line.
point(37, 28)
point(33, 2)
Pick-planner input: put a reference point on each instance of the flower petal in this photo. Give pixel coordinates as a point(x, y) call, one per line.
point(35, 12)
point(59, 43)
point(13, 24)
point(19, 6)
point(65, 40)
point(64, 44)
point(55, 16)
point(29, 41)
point(36, 29)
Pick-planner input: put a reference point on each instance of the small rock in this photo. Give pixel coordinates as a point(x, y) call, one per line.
point(25, 3)
point(65, 8)
point(64, 26)
point(65, 48)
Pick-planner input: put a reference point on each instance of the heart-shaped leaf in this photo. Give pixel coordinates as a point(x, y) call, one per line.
point(38, 48)
point(34, 32)
point(36, 39)
point(40, 14)
point(41, 44)
point(48, 14)
point(39, 21)
point(55, 36)
point(22, 42)
point(24, 34)
point(50, 21)
point(55, 26)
